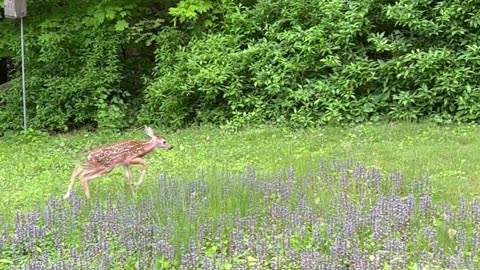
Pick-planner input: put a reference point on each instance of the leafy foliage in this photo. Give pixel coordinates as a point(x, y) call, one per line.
point(300, 63)
point(312, 62)
point(73, 65)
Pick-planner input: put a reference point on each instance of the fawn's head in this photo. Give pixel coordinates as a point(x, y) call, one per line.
point(158, 141)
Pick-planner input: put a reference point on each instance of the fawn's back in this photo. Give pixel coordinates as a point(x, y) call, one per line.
point(119, 153)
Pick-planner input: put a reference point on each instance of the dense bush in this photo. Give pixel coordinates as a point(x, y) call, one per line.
point(74, 65)
point(313, 62)
point(231, 62)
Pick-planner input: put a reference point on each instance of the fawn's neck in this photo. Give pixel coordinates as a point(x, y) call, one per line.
point(148, 146)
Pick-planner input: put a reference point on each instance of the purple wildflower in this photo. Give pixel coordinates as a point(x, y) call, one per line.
point(339, 249)
point(397, 179)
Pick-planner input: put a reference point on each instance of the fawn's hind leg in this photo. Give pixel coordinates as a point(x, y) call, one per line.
point(76, 173)
point(89, 175)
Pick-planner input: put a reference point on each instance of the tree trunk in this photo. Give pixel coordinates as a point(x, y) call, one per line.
point(5, 86)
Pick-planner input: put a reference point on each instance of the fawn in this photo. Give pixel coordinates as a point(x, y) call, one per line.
point(105, 159)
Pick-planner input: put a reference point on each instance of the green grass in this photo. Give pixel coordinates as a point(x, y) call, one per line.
point(35, 168)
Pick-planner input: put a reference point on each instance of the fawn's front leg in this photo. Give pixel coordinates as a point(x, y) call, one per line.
point(128, 174)
point(143, 164)
point(76, 173)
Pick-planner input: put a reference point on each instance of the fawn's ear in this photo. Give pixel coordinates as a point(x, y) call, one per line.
point(149, 132)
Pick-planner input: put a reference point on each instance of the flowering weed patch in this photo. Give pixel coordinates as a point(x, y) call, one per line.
point(337, 216)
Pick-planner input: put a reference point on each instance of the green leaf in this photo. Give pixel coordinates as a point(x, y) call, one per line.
point(208, 23)
point(110, 13)
point(5, 261)
point(452, 233)
point(121, 25)
point(413, 266)
point(99, 17)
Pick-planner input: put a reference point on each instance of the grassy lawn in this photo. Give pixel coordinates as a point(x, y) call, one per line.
point(209, 187)
point(33, 169)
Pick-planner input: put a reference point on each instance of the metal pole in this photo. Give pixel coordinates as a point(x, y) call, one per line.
point(23, 78)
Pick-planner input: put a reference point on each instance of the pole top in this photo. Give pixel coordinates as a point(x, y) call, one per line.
point(15, 9)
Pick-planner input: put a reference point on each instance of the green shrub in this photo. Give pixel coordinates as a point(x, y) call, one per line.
point(311, 62)
point(73, 67)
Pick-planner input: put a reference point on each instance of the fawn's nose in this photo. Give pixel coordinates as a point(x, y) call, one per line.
point(170, 147)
